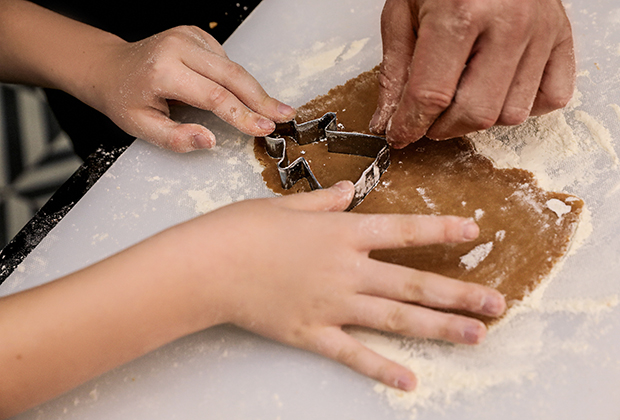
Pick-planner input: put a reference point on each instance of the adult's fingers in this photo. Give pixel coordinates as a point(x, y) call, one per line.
point(335, 344)
point(432, 290)
point(336, 198)
point(417, 321)
point(389, 231)
point(445, 39)
point(398, 39)
point(558, 81)
point(485, 82)
point(524, 88)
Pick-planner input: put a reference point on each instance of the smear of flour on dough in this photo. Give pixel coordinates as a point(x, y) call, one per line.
point(559, 208)
point(476, 255)
point(427, 200)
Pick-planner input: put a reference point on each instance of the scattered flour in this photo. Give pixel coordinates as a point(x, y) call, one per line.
point(476, 255)
point(616, 108)
point(310, 64)
point(554, 147)
point(427, 200)
point(566, 150)
point(599, 133)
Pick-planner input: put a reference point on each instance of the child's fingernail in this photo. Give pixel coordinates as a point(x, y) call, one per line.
point(472, 334)
point(470, 230)
point(406, 383)
point(286, 111)
point(493, 304)
point(202, 142)
point(343, 186)
point(265, 124)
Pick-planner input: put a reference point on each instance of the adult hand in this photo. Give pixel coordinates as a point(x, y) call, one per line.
point(303, 297)
point(135, 83)
point(451, 67)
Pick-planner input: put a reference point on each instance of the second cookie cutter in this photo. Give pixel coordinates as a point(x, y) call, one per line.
point(326, 129)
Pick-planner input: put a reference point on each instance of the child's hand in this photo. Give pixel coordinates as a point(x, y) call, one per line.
point(296, 269)
point(182, 64)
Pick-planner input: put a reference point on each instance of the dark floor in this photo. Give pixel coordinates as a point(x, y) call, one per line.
point(36, 157)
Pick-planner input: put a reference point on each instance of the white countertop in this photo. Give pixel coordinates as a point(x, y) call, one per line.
point(227, 373)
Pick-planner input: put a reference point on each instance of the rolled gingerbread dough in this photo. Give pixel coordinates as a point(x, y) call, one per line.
point(524, 230)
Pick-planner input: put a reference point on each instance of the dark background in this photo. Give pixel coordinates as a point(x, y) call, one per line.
point(45, 136)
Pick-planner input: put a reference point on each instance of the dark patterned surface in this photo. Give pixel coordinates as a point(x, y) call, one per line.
point(37, 158)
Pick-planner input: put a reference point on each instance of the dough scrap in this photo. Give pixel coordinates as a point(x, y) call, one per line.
point(522, 237)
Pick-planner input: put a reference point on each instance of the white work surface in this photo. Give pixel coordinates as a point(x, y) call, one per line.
point(298, 50)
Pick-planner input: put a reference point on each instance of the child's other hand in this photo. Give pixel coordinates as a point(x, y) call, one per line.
point(296, 269)
point(186, 64)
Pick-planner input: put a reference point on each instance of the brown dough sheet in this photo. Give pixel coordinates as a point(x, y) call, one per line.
point(526, 238)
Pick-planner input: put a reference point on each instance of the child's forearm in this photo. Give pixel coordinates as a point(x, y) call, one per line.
point(40, 47)
point(61, 334)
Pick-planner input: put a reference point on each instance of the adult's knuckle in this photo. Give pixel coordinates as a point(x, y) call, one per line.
point(433, 100)
point(513, 115)
point(558, 100)
point(480, 118)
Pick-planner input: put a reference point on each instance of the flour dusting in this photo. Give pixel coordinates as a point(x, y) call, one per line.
point(566, 150)
point(476, 255)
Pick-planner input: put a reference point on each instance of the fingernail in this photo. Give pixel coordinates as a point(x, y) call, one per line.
point(342, 186)
point(471, 334)
point(286, 111)
point(470, 230)
point(494, 304)
point(202, 142)
point(406, 383)
point(374, 121)
point(265, 124)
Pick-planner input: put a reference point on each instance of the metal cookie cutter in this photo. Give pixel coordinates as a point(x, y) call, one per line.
point(326, 129)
